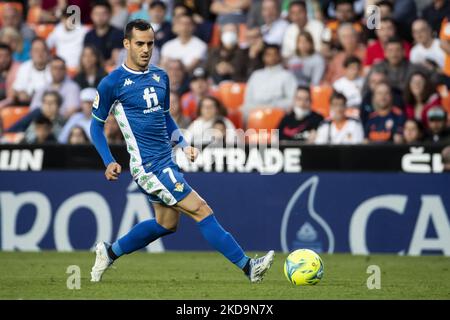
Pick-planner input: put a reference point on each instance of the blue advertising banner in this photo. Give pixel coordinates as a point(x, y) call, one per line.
point(360, 213)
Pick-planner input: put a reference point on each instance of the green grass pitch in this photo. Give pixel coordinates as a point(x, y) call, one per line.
point(207, 275)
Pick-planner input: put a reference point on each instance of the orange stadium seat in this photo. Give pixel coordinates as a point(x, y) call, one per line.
point(235, 116)
point(215, 37)
point(320, 96)
point(263, 118)
point(44, 29)
point(232, 94)
point(12, 114)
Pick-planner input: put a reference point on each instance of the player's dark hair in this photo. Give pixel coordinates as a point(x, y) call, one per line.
point(221, 111)
point(304, 88)
point(300, 3)
point(102, 3)
point(338, 96)
point(138, 24)
point(4, 46)
point(351, 60)
point(55, 94)
point(160, 4)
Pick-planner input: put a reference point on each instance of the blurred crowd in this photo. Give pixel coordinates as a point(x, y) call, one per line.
point(320, 71)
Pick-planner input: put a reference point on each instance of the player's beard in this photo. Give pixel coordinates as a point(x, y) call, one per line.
point(140, 62)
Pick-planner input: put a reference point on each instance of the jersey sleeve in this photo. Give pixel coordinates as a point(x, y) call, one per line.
point(167, 97)
point(104, 100)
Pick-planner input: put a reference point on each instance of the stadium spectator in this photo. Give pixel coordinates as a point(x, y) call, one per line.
point(230, 11)
point(119, 13)
point(51, 103)
point(66, 87)
point(228, 61)
point(77, 136)
point(34, 74)
point(80, 119)
point(112, 131)
point(351, 84)
point(43, 134)
point(199, 89)
point(179, 80)
point(412, 131)
point(19, 46)
point(438, 131)
point(339, 129)
point(345, 13)
point(396, 67)
point(435, 13)
point(301, 123)
point(385, 124)
point(376, 51)
point(444, 36)
point(185, 47)
point(254, 17)
point(219, 133)
point(8, 73)
point(298, 18)
point(350, 46)
point(254, 50)
point(200, 12)
point(419, 96)
point(274, 26)
point(175, 111)
point(426, 46)
point(209, 109)
point(162, 27)
point(372, 80)
point(306, 65)
point(106, 38)
point(278, 92)
point(11, 17)
point(446, 158)
point(90, 68)
point(67, 38)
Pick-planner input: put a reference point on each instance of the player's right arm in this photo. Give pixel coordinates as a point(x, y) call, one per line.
point(100, 110)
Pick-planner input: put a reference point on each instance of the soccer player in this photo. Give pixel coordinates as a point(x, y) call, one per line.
point(138, 95)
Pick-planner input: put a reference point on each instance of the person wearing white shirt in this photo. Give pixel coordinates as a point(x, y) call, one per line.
point(298, 17)
point(426, 47)
point(274, 27)
point(272, 86)
point(186, 47)
point(339, 129)
point(351, 84)
point(80, 119)
point(33, 75)
point(67, 38)
point(201, 132)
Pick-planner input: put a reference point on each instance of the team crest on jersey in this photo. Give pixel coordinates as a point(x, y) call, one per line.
point(96, 101)
point(179, 187)
point(156, 77)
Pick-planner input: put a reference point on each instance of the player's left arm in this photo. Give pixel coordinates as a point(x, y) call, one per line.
point(174, 132)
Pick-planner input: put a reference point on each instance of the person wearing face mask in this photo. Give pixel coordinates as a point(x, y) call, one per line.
point(339, 129)
point(301, 123)
point(228, 61)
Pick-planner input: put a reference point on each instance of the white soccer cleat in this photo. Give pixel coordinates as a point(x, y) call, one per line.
point(102, 262)
point(259, 266)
